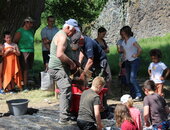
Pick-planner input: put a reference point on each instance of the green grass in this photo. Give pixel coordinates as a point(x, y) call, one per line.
point(163, 43)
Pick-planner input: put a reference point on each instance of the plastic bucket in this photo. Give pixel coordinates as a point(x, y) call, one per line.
point(18, 106)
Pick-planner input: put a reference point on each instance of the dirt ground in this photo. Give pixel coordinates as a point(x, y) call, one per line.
point(42, 99)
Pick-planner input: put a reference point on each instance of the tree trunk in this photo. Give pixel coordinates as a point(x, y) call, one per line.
point(13, 13)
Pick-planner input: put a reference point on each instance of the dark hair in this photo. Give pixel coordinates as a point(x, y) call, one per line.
point(102, 29)
point(6, 33)
point(50, 17)
point(127, 30)
point(149, 84)
point(156, 52)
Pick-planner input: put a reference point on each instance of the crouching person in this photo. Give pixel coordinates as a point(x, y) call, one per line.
point(89, 110)
point(155, 108)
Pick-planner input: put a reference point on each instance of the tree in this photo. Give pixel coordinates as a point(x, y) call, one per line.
point(84, 11)
point(13, 12)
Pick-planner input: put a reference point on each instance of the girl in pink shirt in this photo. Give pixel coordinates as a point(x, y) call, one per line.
point(134, 112)
point(124, 119)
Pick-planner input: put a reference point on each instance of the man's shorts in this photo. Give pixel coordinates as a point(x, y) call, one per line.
point(46, 56)
point(26, 60)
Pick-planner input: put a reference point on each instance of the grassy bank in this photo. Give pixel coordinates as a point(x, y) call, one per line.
point(163, 43)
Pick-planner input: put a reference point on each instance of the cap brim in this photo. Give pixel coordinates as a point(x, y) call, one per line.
point(77, 29)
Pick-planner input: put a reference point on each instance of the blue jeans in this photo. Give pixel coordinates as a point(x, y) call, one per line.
point(132, 68)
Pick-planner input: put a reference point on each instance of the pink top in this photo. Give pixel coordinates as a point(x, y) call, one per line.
point(126, 125)
point(135, 114)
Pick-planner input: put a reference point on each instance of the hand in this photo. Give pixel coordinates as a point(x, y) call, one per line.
point(100, 126)
point(10, 50)
point(134, 56)
point(147, 124)
point(73, 66)
point(162, 78)
point(82, 76)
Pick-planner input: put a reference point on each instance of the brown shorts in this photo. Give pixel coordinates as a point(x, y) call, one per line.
point(26, 60)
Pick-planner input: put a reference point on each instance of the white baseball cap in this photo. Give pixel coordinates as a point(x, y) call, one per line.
point(74, 23)
point(125, 98)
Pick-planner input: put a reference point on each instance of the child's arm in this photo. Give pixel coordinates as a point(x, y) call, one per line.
point(97, 117)
point(166, 73)
point(146, 115)
point(16, 50)
point(149, 72)
point(7, 52)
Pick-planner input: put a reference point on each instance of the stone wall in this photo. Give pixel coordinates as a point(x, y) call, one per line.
point(146, 17)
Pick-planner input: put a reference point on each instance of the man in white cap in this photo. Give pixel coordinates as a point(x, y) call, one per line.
point(60, 64)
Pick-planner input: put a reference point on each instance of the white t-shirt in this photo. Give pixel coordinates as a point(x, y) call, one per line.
point(129, 48)
point(157, 71)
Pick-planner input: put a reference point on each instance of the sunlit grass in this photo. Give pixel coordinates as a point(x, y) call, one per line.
point(163, 43)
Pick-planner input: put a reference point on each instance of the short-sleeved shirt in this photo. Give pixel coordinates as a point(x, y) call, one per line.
point(26, 41)
point(126, 125)
point(157, 106)
point(157, 71)
point(49, 34)
point(92, 49)
point(88, 100)
point(135, 114)
point(129, 48)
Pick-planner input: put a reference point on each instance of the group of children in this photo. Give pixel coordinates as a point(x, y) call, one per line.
point(10, 72)
point(155, 110)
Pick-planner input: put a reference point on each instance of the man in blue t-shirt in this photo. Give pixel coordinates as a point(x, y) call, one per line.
point(96, 57)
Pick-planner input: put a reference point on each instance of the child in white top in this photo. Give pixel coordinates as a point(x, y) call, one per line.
point(157, 70)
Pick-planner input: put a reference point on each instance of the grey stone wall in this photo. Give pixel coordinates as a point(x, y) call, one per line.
point(146, 17)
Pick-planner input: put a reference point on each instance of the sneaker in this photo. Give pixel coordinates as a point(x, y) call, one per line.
point(2, 91)
point(69, 122)
point(25, 90)
point(63, 122)
point(137, 99)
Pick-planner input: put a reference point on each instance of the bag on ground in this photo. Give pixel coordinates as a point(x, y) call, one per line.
point(47, 83)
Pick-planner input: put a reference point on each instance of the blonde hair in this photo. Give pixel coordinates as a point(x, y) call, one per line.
point(98, 81)
point(129, 103)
point(121, 114)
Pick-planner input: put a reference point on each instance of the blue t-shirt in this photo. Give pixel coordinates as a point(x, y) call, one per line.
point(92, 49)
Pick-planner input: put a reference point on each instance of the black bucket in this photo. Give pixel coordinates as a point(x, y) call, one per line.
point(18, 106)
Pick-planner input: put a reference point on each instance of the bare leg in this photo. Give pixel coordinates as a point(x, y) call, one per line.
point(25, 77)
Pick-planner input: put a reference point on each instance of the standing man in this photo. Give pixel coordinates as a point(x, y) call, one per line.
point(60, 64)
point(24, 37)
point(47, 35)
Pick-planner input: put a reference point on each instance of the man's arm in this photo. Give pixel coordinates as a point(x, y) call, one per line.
point(146, 115)
point(81, 56)
point(60, 41)
point(46, 43)
point(17, 37)
point(98, 117)
point(87, 68)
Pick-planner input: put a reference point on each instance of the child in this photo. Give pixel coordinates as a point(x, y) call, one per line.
point(157, 70)
point(134, 112)
point(89, 110)
point(11, 67)
point(123, 118)
point(1, 88)
point(155, 108)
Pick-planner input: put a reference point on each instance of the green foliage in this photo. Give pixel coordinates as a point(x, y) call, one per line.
point(163, 43)
point(84, 11)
